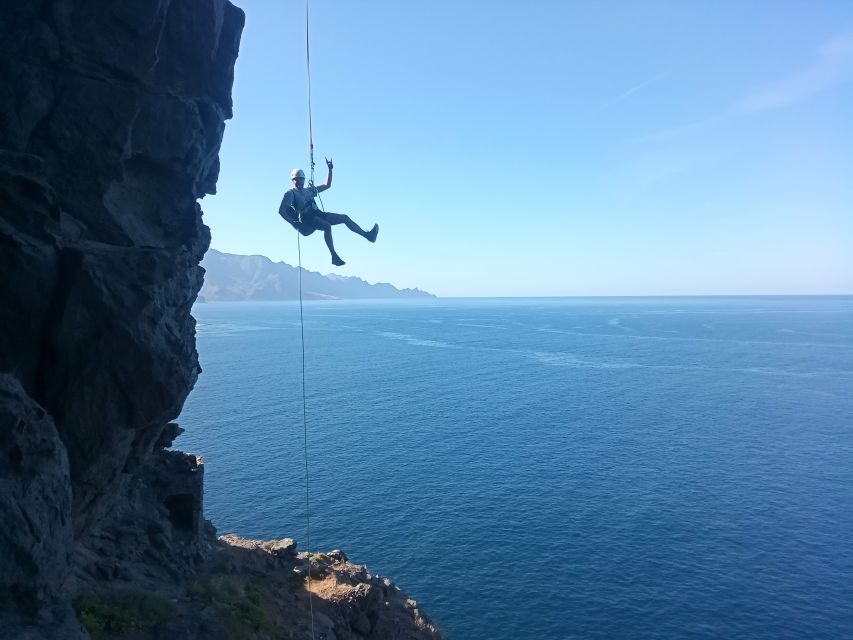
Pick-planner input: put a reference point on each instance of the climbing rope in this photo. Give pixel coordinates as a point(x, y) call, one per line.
point(308, 69)
point(305, 438)
point(302, 334)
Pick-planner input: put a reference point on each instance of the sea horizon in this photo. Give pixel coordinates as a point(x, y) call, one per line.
point(560, 297)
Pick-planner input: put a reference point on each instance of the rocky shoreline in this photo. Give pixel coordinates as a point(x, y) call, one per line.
point(256, 589)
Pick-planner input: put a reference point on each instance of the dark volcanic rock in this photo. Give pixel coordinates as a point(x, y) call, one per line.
point(110, 133)
point(111, 118)
point(35, 523)
point(155, 535)
point(34, 474)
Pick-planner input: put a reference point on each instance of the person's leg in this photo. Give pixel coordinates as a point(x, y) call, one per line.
point(304, 229)
point(319, 223)
point(336, 259)
point(340, 218)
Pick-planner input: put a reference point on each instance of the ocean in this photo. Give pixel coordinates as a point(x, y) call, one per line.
point(549, 468)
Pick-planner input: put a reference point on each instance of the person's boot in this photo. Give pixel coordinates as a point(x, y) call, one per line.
point(371, 235)
point(336, 260)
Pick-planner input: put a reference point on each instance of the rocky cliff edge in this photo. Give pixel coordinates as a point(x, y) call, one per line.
point(111, 119)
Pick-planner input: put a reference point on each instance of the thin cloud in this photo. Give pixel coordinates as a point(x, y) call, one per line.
point(833, 67)
point(637, 88)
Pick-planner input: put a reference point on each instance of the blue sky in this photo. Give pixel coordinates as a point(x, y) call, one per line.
point(561, 148)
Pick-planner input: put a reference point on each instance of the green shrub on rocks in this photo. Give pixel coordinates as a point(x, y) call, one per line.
point(320, 565)
point(115, 613)
point(241, 606)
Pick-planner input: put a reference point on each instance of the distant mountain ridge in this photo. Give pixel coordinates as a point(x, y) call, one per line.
point(233, 278)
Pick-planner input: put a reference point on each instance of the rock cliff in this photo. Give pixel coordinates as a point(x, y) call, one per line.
point(111, 119)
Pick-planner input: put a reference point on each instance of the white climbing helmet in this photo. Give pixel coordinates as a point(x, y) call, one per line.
point(297, 173)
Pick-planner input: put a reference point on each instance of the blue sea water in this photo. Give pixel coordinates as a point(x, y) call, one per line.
point(563, 468)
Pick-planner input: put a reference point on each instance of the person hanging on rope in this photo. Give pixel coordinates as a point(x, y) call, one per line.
point(299, 209)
